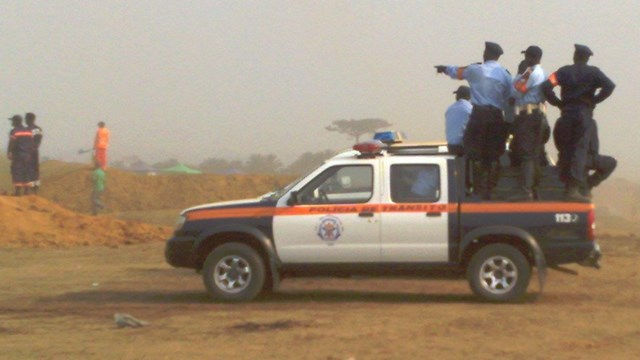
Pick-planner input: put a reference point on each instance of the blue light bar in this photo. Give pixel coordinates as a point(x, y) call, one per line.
point(388, 137)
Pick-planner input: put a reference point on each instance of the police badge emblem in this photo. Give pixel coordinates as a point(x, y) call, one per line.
point(329, 228)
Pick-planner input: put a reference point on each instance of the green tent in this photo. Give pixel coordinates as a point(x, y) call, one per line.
point(181, 169)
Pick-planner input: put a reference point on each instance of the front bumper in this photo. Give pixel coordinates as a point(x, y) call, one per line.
point(179, 251)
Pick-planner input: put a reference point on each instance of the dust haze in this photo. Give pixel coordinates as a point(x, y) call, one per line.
point(227, 79)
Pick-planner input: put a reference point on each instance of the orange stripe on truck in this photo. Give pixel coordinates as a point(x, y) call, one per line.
point(527, 207)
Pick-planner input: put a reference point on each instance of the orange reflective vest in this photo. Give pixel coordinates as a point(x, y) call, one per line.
point(102, 139)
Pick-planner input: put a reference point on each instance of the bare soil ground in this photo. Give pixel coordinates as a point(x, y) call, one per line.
point(60, 304)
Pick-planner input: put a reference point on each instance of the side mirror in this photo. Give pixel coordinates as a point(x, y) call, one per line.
point(293, 198)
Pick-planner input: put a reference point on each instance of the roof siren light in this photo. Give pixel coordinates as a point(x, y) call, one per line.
point(369, 147)
point(389, 137)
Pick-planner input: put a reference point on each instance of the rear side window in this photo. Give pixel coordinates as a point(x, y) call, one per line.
point(415, 183)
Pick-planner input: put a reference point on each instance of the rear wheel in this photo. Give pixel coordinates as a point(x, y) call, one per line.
point(233, 272)
point(499, 272)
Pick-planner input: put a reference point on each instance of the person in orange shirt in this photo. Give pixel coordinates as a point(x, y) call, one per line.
point(101, 144)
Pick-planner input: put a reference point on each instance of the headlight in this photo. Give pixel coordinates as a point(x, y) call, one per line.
point(180, 222)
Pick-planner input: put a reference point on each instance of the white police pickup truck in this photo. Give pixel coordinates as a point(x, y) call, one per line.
point(381, 210)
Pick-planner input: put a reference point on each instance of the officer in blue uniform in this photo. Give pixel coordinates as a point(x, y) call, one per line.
point(456, 119)
point(528, 127)
point(574, 131)
point(484, 138)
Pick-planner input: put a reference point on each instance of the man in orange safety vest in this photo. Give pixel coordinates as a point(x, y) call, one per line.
point(101, 144)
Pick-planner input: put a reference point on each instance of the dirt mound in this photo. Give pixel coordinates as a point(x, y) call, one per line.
point(126, 191)
point(32, 221)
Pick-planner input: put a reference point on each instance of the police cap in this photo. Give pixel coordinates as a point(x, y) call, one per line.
point(583, 50)
point(493, 48)
point(463, 91)
point(16, 118)
point(533, 51)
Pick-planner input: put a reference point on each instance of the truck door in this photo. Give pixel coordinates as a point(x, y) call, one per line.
point(334, 219)
point(414, 211)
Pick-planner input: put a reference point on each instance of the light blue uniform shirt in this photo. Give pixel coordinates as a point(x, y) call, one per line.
point(533, 92)
point(490, 83)
point(456, 119)
point(426, 184)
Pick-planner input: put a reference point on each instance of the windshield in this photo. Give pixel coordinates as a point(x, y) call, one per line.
point(278, 193)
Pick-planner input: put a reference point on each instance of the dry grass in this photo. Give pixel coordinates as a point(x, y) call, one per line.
point(50, 308)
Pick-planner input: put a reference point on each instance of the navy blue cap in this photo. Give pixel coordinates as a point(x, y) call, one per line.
point(583, 50)
point(493, 48)
point(534, 51)
point(463, 91)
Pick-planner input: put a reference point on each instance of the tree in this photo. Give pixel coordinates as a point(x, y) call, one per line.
point(356, 128)
point(220, 166)
point(307, 162)
point(262, 164)
point(165, 164)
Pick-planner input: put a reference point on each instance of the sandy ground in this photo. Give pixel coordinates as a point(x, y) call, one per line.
point(60, 304)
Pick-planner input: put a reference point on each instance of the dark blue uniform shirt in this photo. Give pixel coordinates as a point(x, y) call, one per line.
point(579, 83)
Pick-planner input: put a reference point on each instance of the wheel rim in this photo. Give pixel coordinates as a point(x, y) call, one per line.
point(232, 274)
point(498, 275)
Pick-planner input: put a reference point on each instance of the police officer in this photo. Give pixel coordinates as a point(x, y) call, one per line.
point(36, 130)
point(574, 131)
point(456, 119)
point(528, 127)
point(484, 138)
point(19, 152)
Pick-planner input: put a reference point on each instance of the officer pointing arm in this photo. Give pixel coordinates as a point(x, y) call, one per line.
point(485, 135)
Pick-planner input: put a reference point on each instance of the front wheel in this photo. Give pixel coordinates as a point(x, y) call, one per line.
point(499, 272)
point(233, 272)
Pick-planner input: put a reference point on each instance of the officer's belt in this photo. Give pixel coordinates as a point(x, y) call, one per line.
point(528, 108)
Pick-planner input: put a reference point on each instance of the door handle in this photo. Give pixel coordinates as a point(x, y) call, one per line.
point(365, 214)
point(434, 214)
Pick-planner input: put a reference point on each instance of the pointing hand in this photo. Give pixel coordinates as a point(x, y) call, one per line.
point(440, 68)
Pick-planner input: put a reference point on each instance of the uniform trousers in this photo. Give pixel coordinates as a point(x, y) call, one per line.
point(528, 145)
point(601, 165)
point(572, 135)
point(484, 143)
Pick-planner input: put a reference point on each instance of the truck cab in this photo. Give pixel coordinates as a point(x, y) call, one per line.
point(382, 210)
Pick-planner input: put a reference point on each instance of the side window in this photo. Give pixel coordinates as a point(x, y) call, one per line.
point(339, 185)
point(415, 183)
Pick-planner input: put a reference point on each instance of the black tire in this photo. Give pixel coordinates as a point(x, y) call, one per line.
point(487, 279)
point(248, 257)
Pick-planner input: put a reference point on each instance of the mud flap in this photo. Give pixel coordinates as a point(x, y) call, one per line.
point(275, 274)
point(541, 265)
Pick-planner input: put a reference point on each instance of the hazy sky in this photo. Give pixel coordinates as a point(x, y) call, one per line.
point(199, 79)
